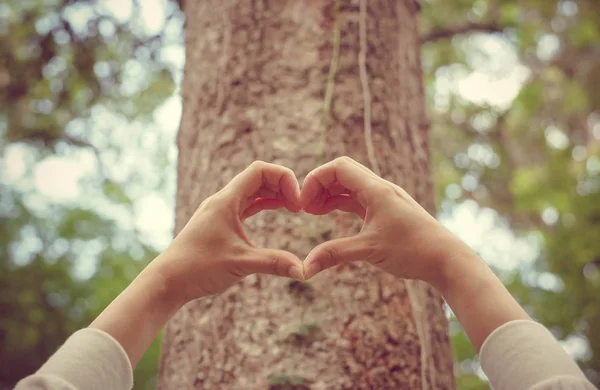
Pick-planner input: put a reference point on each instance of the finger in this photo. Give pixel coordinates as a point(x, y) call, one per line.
point(347, 172)
point(364, 168)
point(264, 193)
point(261, 204)
point(275, 178)
point(283, 182)
point(337, 189)
point(271, 261)
point(335, 252)
point(399, 190)
point(343, 202)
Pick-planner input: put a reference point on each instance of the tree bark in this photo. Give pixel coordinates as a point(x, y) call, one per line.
point(299, 83)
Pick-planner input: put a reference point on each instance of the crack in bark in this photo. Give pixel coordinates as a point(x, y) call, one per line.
point(220, 104)
point(362, 66)
point(330, 78)
point(422, 326)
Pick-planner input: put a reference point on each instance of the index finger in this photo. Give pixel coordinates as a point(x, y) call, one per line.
point(273, 177)
point(344, 170)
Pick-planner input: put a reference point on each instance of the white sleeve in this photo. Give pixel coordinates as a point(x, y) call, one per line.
point(523, 355)
point(89, 360)
point(564, 383)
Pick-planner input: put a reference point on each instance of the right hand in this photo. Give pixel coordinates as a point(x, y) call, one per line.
point(212, 251)
point(398, 235)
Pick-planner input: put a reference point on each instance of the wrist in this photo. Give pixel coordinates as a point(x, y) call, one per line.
point(479, 300)
point(453, 265)
point(167, 286)
point(138, 314)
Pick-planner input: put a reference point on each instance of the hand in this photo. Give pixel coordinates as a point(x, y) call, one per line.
point(212, 251)
point(398, 235)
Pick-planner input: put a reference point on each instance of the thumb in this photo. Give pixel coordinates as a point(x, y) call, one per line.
point(273, 262)
point(335, 252)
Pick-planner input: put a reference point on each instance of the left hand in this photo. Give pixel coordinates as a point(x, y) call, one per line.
point(212, 252)
point(398, 235)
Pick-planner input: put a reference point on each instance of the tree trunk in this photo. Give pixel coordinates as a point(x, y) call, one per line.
point(299, 83)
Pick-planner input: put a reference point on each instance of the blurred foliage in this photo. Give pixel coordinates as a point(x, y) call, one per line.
point(535, 160)
point(42, 301)
point(73, 72)
point(64, 57)
point(63, 65)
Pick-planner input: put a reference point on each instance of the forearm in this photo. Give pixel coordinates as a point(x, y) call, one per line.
point(138, 314)
point(519, 354)
point(477, 297)
point(102, 355)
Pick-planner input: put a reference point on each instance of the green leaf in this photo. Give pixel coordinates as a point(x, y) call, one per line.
point(576, 101)
point(116, 192)
point(278, 379)
point(296, 380)
point(510, 14)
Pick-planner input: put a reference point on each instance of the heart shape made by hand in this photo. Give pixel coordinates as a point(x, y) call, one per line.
point(330, 187)
point(397, 233)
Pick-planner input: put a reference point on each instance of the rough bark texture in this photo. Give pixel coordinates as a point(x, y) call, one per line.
point(299, 82)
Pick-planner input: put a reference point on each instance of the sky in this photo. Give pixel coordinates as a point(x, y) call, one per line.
point(61, 179)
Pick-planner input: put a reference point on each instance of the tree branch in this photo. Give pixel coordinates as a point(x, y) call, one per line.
point(466, 29)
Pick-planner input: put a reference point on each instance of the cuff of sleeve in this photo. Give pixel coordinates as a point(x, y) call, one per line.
point(523, 353)
point(91, 359)
point(564, 382)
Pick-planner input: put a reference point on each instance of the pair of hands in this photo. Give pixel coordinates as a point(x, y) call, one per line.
point(212, 251)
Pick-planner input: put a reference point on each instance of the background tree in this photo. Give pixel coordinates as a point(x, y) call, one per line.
point(298, 83)
point(512, 92)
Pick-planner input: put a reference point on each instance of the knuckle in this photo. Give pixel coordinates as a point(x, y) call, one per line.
point(236, 269)
point(274, 265)
point(216, 201)
point(309, 176)
point(332, 255)
point(204, 204)
point(238, 256)
point(372, 249)
point(288, 171)
point(343, 160)
point(383, 194)
point(217, 208)
point(211, 204)
point(258, 164)
point(388, 191)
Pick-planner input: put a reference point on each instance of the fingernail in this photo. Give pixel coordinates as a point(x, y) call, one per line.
point(296, 273)
point(311, 270)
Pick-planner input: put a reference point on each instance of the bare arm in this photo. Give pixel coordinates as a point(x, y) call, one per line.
point(399, 236)
point(477, 297)
point(402, 238)
point(209, 255)
point(138, 314)
point(205, 258)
